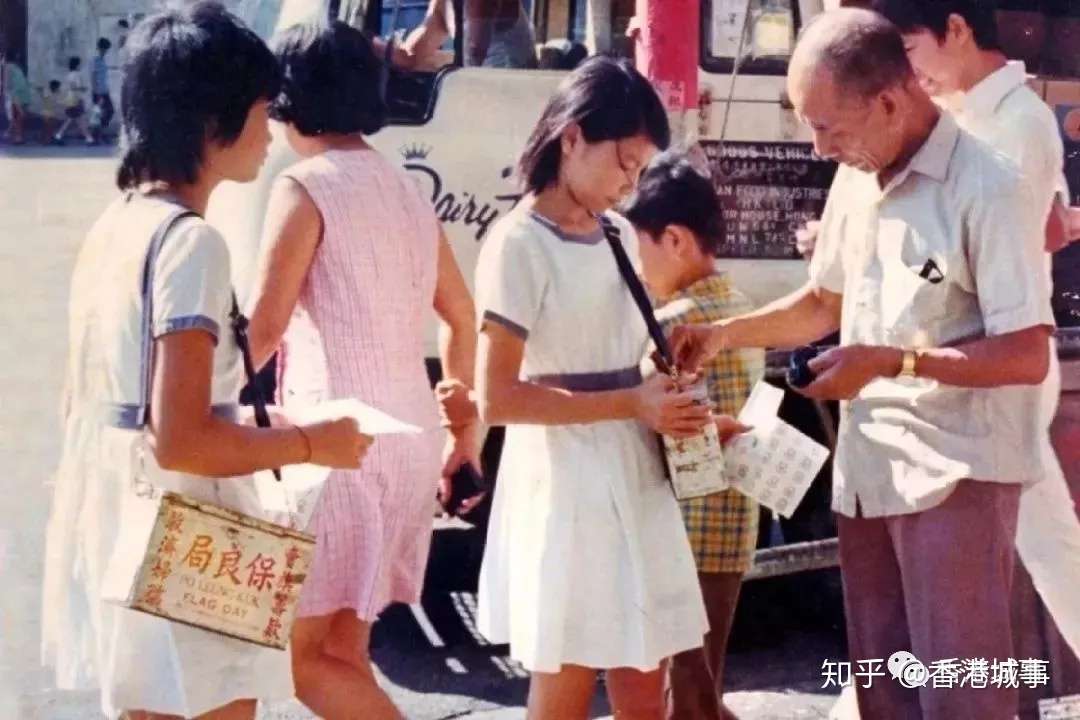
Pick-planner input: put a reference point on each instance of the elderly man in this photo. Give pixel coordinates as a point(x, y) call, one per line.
point(930, 262)
point(952, 45)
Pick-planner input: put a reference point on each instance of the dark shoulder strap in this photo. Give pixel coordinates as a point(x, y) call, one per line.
point(236, 318)
point(637, 290)
point(239, 327)
point(147, 330)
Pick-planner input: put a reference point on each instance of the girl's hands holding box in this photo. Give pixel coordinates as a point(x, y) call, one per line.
point(729, 428)
point(660, 404)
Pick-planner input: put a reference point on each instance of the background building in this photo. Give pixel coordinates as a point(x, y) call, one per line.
point(45, 33)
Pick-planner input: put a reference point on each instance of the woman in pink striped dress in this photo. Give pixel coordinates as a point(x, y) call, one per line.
point(356, 250)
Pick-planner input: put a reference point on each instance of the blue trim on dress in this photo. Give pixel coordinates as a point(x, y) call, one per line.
point(513, 327)
point(591, 381)
point(188, 322)
point(127, 416)
point(592, 238)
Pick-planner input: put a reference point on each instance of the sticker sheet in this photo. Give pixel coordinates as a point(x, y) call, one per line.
point(774, 463)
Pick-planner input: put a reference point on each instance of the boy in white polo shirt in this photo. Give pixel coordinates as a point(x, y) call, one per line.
point(952, 44)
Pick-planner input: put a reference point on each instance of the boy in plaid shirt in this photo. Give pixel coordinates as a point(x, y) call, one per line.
point(677, 216)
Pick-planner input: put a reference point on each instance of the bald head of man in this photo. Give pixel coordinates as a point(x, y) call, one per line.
point(852, 84)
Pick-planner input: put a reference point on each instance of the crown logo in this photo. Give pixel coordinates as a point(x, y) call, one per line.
point(416, 151)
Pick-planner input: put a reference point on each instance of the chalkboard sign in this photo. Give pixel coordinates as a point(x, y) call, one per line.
point(767, 192)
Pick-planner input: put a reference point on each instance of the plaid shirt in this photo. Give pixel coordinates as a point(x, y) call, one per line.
point(722, 527)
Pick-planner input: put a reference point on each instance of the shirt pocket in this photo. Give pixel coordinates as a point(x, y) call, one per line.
point(915, 286)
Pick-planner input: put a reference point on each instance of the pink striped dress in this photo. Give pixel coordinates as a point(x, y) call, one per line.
point(359, 332)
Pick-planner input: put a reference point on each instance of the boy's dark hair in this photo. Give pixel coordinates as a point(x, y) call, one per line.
point(933, 15)
point(609, 100)
point(104, 44)
point(674, 191)
point(54, 85)
point(192, 75)
point(74, 63)
point(332, 80)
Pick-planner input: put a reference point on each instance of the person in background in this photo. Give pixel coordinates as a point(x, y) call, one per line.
point(51, 109)
point(677, 216)
point(498, 33)
point(354, 247)
point(74, 100)
point(99, 87)
point(161, 407)
point(931, 262)
point(17, 90)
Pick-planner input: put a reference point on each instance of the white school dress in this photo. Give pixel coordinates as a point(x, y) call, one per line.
point(587, 561)
point(139, 662)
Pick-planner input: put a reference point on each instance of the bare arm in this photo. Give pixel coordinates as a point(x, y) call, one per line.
point(292, 234)
point(808, 314)
point(187, 437)
point(805, 315)
point(423, 42)
point(398, 57)
point(454, 306)
point(1017, 358)
point(457, 351)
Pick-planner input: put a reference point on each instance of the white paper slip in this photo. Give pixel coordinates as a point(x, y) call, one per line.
point(762, 407)
point(774, 466)
point(293, 499)
point(372, 421)
point(773, 463)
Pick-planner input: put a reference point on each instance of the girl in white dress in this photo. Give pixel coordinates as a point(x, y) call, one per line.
point(161, 404)
point(587, 564)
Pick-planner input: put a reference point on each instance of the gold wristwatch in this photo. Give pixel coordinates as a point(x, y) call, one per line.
point(907, 365)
